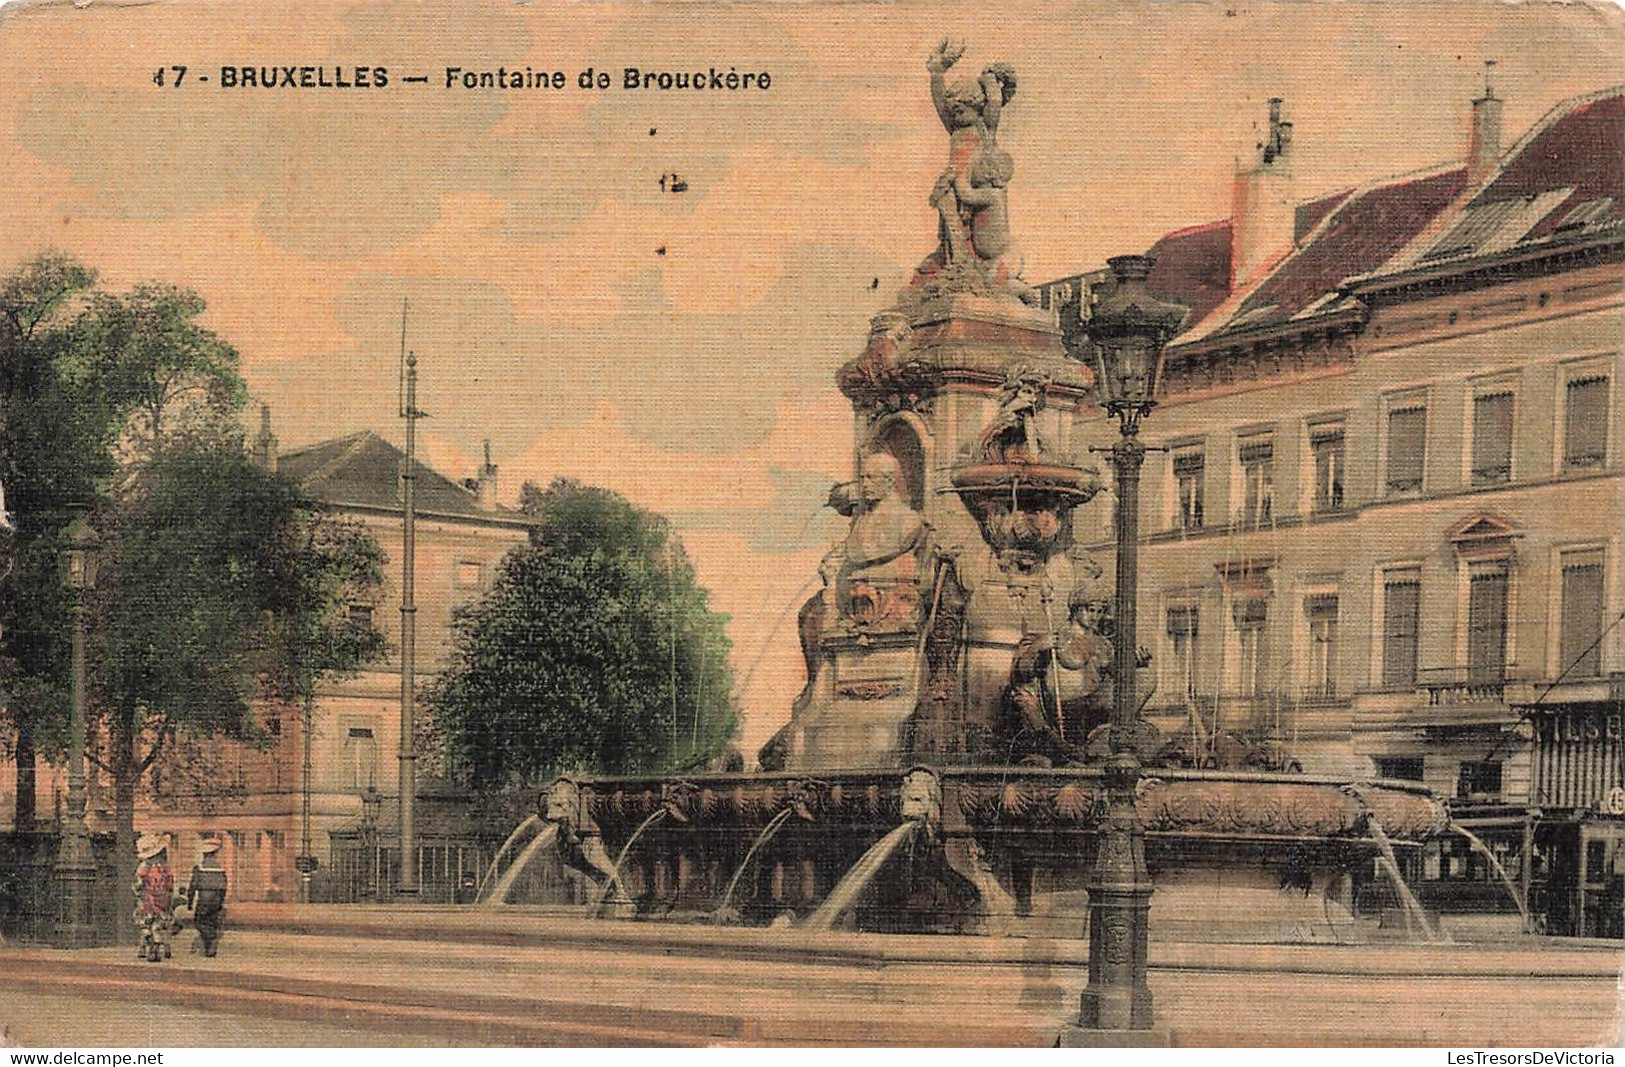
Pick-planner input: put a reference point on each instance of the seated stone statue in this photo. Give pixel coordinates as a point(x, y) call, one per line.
point(1059, 689)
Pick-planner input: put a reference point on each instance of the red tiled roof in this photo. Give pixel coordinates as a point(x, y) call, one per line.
point(1310, 212)
point(1584, 148)
point(1193, 267)
point(363, 469)
point(1359, 236)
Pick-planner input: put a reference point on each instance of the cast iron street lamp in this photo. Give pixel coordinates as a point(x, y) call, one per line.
point(371, 802)
point(1128, 327)
point(75, 861)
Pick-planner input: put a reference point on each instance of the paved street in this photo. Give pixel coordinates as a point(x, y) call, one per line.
point(481, 979)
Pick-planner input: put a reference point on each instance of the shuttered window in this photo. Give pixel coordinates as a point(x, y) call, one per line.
point(1182, 633)
point(1580, 646)
point(1585, 444)
point(1407, 437)
point(1252, 648)
point(1402, 603)
point(1326, 442)
point(1492, 438)
point(1257, 458)
point(1321, 611)
point(1487, 623)
point(1189, 470)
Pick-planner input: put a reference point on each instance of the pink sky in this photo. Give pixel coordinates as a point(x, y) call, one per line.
point(524, 226)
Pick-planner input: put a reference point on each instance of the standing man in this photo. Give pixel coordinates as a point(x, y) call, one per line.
point(206, 895)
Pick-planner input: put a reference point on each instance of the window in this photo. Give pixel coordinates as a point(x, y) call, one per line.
point(1400, 768)
point(1189, 469)
point(1326, 447)
point(1257, 460)
point(1182, 634)
point(470, 573)
point(1407, 439)
point(361, 757)
point(1320, 610)
point(361, 616)
point(1585, 423)
point(1486, 622)
point(1580, 644)
point(1492, 437)
point(1479, 779)
point(1252, 649)
point(1401, 611)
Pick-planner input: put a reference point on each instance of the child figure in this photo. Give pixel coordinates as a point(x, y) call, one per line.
point(154, 889)
point(206, 895)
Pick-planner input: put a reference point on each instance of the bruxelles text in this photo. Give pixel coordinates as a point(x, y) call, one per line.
point(710, 79)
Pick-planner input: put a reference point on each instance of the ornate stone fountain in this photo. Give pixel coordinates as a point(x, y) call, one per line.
point(948, 743)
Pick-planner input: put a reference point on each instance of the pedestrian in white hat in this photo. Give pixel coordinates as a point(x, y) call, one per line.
point(206, 895)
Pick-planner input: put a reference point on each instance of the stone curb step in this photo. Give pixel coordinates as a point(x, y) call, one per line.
point(491, 1018)
point(507, 1020)
point(519, 929)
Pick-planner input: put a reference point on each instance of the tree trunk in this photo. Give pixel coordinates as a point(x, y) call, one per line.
point(23, 814)
point(126, 769)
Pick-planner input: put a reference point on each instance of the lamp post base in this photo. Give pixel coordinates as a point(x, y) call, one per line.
point(1072, 1036)
point(75, 878)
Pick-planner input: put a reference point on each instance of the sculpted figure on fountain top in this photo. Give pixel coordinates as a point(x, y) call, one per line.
point(975, 252)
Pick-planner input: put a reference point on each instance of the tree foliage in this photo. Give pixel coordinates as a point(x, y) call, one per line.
point(576, 657)
point(221, 583)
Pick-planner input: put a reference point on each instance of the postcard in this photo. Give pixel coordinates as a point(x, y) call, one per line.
point(812, 524)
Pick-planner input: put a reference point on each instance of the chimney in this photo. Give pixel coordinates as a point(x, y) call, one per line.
point(265, 455)
point(1262, 207)
point(1484, 139)
point(486, 494)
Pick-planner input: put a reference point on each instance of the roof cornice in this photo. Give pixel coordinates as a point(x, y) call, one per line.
point(1481, 271)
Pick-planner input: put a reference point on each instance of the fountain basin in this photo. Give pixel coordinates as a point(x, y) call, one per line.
point(1236, 855)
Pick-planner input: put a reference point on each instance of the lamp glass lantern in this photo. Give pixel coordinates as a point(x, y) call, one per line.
point(1130, 327)
point(80, 565)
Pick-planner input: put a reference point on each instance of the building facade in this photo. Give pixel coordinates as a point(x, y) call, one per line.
point(1382, 537)
point(256, 801)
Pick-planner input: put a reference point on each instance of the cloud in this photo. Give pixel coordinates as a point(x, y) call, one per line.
point(794, 520)
point(690, 382)
point(342, 174)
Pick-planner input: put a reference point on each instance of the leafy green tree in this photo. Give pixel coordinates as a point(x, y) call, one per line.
point(221, 583)
point(54, 438)
point(225, 586)
point(594, 650)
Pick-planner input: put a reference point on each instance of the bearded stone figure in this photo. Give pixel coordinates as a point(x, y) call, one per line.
point(879, 574)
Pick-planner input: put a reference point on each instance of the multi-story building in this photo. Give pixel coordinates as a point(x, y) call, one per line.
point(1384, 536)
point(256, 800)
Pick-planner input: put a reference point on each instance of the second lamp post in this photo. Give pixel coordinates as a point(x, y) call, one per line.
point(1128, 328)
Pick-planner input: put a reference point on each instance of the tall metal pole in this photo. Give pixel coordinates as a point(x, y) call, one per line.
point(305, 868)
point(75, 860)
point(1117, 996)
point(408, 783)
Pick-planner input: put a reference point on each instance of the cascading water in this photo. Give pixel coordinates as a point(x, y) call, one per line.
point(504, 885)
point(762, 838)
point(1495, 864)
point(858, 878)
point(496, 860)
point(1412, 906)
point(614, 880)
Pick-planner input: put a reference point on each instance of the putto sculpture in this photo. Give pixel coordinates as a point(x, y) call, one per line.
point(975, 251)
